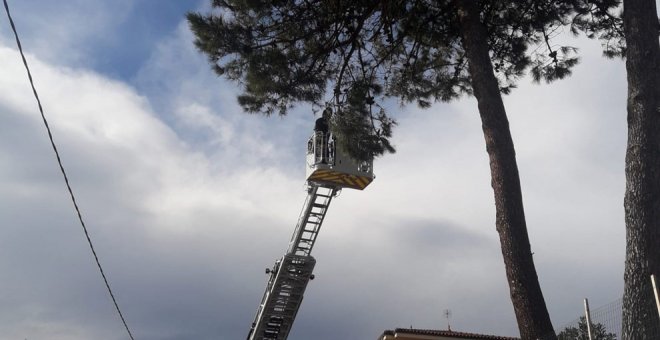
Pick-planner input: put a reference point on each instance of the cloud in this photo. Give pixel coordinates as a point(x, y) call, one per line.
point(66, 32)
point(154, 206)
point(188, 200)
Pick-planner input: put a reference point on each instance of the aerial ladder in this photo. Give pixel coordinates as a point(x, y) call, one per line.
point(328, 171)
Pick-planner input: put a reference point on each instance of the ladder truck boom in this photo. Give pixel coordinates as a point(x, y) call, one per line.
point(328, 171)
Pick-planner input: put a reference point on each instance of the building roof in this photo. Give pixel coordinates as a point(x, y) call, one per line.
point(445, 333)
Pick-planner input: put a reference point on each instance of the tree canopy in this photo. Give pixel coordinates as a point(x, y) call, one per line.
point(353, 55)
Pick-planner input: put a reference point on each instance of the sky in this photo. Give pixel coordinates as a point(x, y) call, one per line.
point(188, 199)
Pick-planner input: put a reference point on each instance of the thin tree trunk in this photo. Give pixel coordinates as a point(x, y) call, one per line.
point(642, 198)
point(526, 296)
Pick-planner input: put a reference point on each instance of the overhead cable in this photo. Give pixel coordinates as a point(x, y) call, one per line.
point(66, 179)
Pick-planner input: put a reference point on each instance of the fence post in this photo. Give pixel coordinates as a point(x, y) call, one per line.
point(655, 292)
point(588, 317)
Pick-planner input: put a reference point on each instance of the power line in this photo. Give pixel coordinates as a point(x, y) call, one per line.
point(66, 179)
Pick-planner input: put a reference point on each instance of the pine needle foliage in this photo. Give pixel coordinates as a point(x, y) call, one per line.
point(331, 51)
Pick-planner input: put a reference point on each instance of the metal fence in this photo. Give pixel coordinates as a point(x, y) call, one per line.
point(605, 322)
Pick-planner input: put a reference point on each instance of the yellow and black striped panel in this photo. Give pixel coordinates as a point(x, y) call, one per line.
point(340, 179)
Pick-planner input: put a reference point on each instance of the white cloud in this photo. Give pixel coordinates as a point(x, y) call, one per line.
point(188, 199)
point(138, 184)
point(64, 32)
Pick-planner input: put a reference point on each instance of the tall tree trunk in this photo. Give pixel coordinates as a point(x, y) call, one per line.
point(526, 296)
point(642, 198)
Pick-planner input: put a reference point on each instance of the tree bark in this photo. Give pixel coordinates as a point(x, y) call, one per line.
point(528, 303)
point(642, 198)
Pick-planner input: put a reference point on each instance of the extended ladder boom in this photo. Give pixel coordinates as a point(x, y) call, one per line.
point(328, 171)
point(290, 274)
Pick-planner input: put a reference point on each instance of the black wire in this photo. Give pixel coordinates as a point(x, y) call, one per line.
point(66, 179)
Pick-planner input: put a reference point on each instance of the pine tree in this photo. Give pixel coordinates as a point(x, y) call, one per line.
point(350, 56)
point(633, 35)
